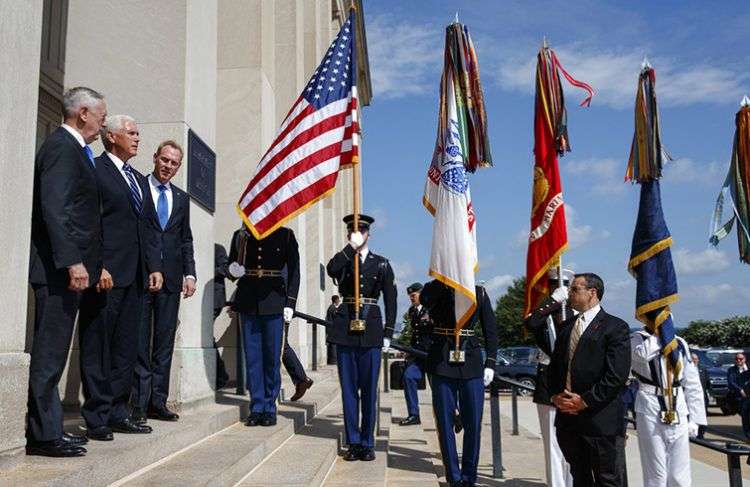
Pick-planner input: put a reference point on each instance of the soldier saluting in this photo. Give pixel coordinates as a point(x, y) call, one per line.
point(357, 350)
point(264, 301)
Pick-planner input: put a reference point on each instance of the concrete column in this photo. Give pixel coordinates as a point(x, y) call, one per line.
point(20, 39)
point(165, 78)
point(246, 122)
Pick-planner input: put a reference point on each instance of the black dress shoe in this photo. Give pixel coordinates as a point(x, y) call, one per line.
point(268, 419)
point(100, 433)
point(55, 448)
point(301, 388)
point(130, 427)
point(366, 454)
point(138, 416)
point(410, 420)
point(76, 440)
point(458, 425)
point(353, 453)
point(253, 419)
point(163, 414)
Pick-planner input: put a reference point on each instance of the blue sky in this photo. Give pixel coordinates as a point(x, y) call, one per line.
point(699, 53)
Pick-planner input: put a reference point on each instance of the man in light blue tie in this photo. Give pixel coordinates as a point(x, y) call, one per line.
point(171, 218)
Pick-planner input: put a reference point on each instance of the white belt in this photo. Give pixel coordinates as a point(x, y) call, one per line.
point(653, 390)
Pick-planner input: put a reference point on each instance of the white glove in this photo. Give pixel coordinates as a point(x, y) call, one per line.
point(236, 270)
point(489, 374)
point(386, 344)
point(560, 294)
point(692, 429)
point(288, 315)
point(356, 240)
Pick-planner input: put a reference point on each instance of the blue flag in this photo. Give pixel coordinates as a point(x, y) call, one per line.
point(651, 265)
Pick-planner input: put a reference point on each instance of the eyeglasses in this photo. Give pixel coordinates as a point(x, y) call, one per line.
point(575, 289)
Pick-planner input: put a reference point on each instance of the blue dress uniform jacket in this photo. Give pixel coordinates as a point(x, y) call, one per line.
point(438, 299)
point(266, 295)
point(376, 277)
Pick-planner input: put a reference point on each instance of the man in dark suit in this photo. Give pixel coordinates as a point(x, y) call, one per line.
point(737, 383)
point(66, 262)
point(171, 219)
point(358, 351)
point(458, 384)
point(268, 274)
point(588, 369)
point(108, 335)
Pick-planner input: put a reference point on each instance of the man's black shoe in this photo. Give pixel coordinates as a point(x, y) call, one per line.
point(457, 423)
point(101, 433)
point(353, 453)
point(253, 419)
point(366, 454)
point(55, 448)
point(163, 414)
point(138, 416)
point(410, 420)
point(301, 388)
point(128, 426)
point(75, 440)
point(268, 419)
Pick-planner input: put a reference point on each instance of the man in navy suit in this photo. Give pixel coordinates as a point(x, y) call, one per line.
point(131, 253)
point(171, 218)
point(66, 262)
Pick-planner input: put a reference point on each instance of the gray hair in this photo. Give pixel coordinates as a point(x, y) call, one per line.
point(78, 97)
point(114, 123)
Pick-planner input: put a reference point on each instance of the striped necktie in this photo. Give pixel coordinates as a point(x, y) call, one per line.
point(575, 336)
point(135, 195)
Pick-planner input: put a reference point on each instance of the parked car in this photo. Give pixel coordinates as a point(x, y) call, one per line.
point(717, 380)
point(521, 354)
point(522, 371)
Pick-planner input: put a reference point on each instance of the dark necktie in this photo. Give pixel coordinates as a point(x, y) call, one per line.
point(135, 195)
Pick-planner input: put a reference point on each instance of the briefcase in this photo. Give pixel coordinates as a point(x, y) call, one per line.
point(397, 376)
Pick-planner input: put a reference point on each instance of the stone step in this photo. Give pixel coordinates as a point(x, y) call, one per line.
point(306, 458)
point(410, 458)
point(365, 474)
point(226, 457)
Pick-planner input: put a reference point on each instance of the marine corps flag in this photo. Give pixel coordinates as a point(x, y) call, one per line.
point(548, 237)
point(461, 147)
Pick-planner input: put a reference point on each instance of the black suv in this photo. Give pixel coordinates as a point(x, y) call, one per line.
point(519, 364)
point(716, 390)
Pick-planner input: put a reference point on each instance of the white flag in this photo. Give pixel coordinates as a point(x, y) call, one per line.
point(447, 197)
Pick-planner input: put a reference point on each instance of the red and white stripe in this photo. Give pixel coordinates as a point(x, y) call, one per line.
point(302, 164)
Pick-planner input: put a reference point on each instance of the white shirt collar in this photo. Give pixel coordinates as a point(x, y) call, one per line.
point(363, 252)
point(118, 162)
point(156, 183)
point(75, 134)
point(590, 314)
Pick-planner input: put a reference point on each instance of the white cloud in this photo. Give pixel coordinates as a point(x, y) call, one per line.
point(685, 170)
point(606, 174)
point(613, 75)
point(578, 235)
point(402, 55)
point(381, 218)
point(708, 261)
point(709, 294)
point(497, 285)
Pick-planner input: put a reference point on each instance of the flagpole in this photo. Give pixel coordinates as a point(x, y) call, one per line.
point(356, 324)
point(561, 285)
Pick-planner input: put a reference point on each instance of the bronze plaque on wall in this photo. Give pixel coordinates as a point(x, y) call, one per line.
point(201, 172)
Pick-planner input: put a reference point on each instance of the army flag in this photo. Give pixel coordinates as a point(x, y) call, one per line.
point(650, 257)
point(461, 146)
point(319, 136)
point(548, 237)
point(737, 185)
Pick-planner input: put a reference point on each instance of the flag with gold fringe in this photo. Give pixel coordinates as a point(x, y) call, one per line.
point(548, 237)
point(737, 185)
point(461, 147)
point(650, 257)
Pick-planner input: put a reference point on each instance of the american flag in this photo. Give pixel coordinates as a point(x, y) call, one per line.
point(319, 136)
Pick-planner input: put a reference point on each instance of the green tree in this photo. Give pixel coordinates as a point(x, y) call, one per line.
point(509, 315)
point(729, 332)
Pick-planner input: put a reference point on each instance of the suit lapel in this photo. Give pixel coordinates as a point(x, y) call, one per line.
point(81, 153)
point(177, 202)
point(110, 167)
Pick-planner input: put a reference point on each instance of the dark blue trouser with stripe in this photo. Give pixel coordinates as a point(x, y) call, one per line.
point(412, 375)
point(359, 368)
point(262, 335)
point(470, 396)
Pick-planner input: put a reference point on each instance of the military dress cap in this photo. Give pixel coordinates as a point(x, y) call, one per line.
point(567, 275)
point(364, 221)
point(417, 286)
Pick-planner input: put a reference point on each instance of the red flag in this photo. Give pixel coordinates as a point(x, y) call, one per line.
point(548, 237)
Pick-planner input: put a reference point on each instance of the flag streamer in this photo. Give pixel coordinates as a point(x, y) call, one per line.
point(737, 187)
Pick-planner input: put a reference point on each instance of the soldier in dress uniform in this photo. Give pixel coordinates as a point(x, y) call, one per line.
point(461, 382)
point(264, 299)
point(414, 370)
point(358, 352)
point(543, 323)
point(664, 438)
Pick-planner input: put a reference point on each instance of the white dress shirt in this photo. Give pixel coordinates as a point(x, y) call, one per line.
point(154, 185)
point(75, 134)
point(588, 316)
point(119, 165)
